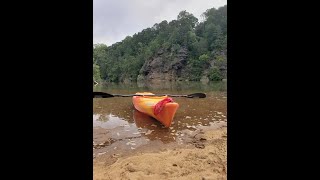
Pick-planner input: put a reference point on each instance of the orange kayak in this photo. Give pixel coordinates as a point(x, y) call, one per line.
point(162, 108)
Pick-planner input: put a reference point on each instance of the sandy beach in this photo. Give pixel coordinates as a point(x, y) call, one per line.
point(203, 157)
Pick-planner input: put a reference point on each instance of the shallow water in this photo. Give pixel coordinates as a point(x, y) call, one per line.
point(118, 126)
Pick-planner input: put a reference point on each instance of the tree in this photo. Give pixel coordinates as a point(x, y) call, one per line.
point(215, 74)
point(96, 73)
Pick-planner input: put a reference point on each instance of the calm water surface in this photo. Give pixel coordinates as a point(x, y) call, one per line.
point(118, 126)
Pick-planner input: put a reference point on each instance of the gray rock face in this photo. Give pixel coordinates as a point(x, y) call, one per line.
point(164, 67)
point(167, 65)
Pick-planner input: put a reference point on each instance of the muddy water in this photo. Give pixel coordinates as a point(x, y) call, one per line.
point(119, 128)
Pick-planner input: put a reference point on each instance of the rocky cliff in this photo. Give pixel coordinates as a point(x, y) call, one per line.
point(169, 66)
point(165, 65)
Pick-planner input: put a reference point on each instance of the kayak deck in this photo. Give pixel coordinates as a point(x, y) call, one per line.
point(162, 108)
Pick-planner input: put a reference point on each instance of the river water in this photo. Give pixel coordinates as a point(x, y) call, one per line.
point(118, 127)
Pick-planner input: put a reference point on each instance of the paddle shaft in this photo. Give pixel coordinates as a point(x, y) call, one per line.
point(107, 95)
point(130, 95)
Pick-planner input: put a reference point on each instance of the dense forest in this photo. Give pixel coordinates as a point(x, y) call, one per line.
point(183, 49)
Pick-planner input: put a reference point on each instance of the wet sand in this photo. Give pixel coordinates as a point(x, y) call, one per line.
point(203, 156)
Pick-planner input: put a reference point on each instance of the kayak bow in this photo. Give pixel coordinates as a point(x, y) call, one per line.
point(162, 108)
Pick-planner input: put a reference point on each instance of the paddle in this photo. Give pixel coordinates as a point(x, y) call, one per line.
point(107, 95)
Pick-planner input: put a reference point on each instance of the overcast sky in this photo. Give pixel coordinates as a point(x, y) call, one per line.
point(113, 20)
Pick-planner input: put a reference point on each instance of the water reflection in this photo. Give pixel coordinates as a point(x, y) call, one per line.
point(151, 128)
point(184, 86)
point(108, 121)
point(113, 108)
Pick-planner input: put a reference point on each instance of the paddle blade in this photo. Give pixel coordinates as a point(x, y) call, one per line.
point(197, 95)
point(102, 95)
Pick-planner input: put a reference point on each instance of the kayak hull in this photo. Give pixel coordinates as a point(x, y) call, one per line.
point(146, 104)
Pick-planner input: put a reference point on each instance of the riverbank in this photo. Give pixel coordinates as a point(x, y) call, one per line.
point(202, 156)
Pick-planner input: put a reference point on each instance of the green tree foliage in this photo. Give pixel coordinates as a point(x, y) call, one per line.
point(215, 74)
point(204, 58)
point(203, 40)
point(96, 73)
